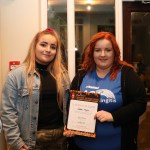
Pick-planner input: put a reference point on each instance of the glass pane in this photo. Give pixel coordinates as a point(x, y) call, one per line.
point(57, 19)
point(141, 46)
point(101, 17)
point(91, 16)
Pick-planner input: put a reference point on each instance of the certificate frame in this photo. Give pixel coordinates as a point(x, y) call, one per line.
point(83, 106)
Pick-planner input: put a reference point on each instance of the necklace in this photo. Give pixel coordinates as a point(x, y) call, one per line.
point(40, 69)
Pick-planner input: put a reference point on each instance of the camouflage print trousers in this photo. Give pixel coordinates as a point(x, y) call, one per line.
point(52, 139)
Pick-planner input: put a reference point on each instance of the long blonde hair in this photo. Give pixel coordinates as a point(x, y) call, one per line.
point(56, 67)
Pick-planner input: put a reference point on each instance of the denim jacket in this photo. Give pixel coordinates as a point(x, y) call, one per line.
point(19, 112)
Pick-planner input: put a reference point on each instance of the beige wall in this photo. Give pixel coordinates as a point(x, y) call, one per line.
point(0, 57)
point(19, 21)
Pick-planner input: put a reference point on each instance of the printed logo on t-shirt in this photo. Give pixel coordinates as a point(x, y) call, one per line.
point(107, 96)
point(91, 87)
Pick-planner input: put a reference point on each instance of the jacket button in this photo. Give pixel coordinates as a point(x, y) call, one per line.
point(34, 118)
point(33, 132)
point(36, 102)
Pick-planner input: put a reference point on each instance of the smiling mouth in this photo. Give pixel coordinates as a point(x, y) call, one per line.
point(103, 59)
point(46, 54)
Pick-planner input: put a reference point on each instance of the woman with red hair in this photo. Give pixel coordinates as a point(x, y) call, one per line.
point(122, 96)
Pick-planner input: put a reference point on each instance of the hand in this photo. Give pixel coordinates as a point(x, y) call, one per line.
point(103, 116)
point(68, 133)
point(24, 147)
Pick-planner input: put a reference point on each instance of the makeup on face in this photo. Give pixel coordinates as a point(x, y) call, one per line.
point(46, 49)
point(103, 54)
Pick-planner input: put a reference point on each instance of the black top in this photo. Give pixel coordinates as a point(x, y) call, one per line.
point(50, 116)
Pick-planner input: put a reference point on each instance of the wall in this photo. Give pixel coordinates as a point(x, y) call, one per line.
point(20, 20)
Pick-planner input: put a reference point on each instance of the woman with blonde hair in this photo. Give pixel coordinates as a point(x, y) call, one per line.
point(33, 102)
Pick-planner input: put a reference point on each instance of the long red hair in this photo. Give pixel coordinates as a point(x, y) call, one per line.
point(88, 60)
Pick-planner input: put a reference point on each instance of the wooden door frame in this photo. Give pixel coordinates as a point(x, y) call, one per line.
point(128, 8)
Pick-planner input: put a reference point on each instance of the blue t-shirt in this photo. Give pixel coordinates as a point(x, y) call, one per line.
point(108, 137)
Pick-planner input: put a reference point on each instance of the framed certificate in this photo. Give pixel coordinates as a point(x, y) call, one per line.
point(83, 106)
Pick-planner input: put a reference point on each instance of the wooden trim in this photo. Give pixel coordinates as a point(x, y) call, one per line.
point(128, 8)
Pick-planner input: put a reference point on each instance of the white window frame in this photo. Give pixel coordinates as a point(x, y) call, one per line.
point(71, 29)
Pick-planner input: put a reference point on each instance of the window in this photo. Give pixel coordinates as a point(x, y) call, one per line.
point(90, 18)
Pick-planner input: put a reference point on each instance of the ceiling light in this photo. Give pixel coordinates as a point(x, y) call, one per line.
point(88, 7)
